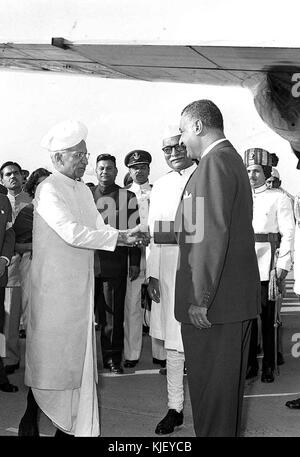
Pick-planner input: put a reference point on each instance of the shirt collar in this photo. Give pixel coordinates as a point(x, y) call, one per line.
point(136, 187)
point(211, 146)
point(65, 179)
point(260, 189)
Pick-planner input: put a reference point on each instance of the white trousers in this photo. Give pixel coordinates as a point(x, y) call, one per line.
point(175, 386)
point(133, 319)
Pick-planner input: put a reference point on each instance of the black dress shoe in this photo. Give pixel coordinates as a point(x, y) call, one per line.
point(267, 375)
point(251, 372)
point(162, 363)
point(8, 387)
point(169, 422)
point(10, 369)
point(293, 404)
point(280, 359)
point(115, 368)
point(130, 363)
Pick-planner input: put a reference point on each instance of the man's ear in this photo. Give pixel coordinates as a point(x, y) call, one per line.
point(198, 127)
point(59, 158)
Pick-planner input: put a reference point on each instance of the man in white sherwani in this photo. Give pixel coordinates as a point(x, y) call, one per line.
point(60, 347)
point(274, 226)
point(161, 271)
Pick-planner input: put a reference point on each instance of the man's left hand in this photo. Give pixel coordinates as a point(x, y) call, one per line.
point(134, 271)
point(197, 315)
point(2, 267)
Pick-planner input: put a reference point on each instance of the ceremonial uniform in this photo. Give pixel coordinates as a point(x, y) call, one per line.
point(274, 226)
point(297, 246)
point(133, 312)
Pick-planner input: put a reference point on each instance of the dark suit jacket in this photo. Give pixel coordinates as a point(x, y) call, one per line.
point(7, 237)
point(220, 270)
point(122, 215)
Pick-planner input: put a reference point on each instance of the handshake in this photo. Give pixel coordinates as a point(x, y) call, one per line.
point(133, 237)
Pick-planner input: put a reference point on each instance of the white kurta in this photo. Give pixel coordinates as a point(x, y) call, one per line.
point(60, 362)
point(273, 213)
point(162, 259)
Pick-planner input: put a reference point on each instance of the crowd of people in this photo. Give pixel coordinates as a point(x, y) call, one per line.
point(208, 246)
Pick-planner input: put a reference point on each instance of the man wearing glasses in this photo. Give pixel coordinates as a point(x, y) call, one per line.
point(60, 347)
point(161, 271)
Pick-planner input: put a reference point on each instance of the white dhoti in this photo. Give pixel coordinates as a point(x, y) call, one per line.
point(75, 411)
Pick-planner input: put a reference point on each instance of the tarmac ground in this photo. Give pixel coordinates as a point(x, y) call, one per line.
point(133, 403)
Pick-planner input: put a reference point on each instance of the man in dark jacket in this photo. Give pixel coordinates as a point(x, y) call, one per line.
point(217, 284)
point(118, 208)
point(7, 244)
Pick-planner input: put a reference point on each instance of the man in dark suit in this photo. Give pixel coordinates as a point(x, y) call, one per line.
point(217, 284)
point(119, 208)
point(7, 244)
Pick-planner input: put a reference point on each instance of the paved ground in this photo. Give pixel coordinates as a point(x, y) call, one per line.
point(133, 403)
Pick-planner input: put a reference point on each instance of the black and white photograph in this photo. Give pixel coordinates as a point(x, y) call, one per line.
point(149, 222)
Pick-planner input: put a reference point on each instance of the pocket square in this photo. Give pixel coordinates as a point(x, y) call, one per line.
point(187, 195)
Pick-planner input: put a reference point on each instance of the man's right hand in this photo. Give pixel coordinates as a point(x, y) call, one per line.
point(133, 237)
point(153, 289)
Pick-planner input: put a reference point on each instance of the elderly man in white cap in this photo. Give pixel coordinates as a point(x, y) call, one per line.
point(161, 272)
point(60, 349)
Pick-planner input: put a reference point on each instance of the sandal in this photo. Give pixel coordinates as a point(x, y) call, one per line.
point(293, 404)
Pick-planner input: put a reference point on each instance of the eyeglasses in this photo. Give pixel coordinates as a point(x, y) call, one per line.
point(178, 148)
point(81, 155)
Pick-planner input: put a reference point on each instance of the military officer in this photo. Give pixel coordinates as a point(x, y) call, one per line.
point(138, 163)
point(273, 224)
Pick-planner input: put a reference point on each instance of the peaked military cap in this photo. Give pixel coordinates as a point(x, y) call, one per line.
point(136, 157)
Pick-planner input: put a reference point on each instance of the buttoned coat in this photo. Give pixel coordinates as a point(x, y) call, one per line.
point(217, 266)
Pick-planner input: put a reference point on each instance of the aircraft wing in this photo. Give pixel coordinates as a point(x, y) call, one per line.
point(219, 65)
point(272, 73)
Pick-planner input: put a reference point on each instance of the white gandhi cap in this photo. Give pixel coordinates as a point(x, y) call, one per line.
point(64, 135)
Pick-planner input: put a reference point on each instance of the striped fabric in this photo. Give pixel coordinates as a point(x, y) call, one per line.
point(257, 156)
